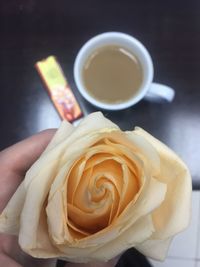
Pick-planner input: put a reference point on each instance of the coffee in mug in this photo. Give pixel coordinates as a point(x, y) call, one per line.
point(112, 74)
point(114, 71)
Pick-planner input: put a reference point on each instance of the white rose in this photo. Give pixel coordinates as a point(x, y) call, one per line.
point(97, 191)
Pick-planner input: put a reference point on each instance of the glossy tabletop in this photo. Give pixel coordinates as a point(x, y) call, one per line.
point(31, 30)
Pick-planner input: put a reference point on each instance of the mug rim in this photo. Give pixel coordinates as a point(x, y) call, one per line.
point(92, 43)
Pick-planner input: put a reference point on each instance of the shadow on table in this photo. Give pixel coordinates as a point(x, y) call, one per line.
point(131, 258)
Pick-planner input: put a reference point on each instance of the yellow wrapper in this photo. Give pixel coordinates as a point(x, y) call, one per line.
point(58, 88)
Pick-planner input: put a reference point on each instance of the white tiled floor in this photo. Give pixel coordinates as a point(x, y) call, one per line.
point(185, 248)
point(174, 263)
point(184, 244)
point(198, 244)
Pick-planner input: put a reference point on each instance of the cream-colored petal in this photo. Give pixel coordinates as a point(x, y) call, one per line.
point(139, 232)
point(140, 147)
point(60, 145)
point(64, 131)
point(126, 154)
point(10, 217)
point(52, 152)
point(151, 196)
point(130, 188)
point(174, 213)
point(56, 221)
point(89, 127)
point(36, 195)
point(57, 201)
point(78, 184)
point(146, 150)
point(94, 122)
point(155, 249)
point(44, 248)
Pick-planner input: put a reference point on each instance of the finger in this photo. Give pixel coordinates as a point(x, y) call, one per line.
point(19, 157)
point(8, 262)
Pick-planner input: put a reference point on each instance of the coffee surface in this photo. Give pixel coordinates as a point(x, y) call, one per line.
point(112, 74)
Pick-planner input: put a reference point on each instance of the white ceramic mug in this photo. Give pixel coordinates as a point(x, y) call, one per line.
point(147, 90)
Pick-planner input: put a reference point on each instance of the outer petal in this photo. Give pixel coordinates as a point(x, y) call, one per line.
point(139, 232)
point(33, 209)
point(156, 249)
point(64, 131)
point(52, 152)
point(174, 213)
point(10, 217)
point(64, 138)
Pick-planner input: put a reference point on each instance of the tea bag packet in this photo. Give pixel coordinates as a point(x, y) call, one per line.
point(97, 191)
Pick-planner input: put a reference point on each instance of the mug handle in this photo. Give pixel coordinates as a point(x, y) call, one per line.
point(159, 92)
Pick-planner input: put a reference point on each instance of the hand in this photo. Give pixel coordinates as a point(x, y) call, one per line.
point(14, 162)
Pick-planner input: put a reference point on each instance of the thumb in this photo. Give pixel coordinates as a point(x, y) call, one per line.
point(19, 157)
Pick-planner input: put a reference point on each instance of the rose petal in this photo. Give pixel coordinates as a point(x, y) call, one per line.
point(57, 228)
point(89, 127)
point(152, 198)
point(52, 152)
point(36, 196)
point(86, 127)
point(44, 248)
point(64, 131)
point(156, 249)
point(141, 147)
point(171, 217)
point(10, 217)
point(90, 222)
point(139, 232)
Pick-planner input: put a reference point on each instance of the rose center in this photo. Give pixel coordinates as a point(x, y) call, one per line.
point(100, 186)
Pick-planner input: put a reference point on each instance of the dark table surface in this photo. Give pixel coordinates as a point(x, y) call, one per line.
point(31, 30)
